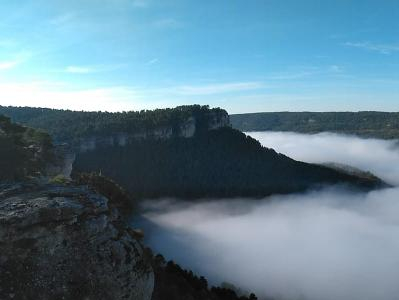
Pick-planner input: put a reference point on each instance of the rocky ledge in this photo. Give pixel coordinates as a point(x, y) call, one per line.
point(68, 242)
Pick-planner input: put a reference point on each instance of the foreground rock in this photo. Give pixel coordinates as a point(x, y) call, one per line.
point(59, 242)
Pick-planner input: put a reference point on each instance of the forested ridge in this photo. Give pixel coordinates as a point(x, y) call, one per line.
point(220, 163)
point(383, 125)
point(70, 126)
point(213, 162)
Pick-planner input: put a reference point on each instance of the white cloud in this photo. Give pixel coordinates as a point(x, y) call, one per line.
point(220, 88)
point(6, 65)
point(17, 58)
point(152, 61)
point(317, 148)
point(78, 70)
point(92, 69)
point(62, 19)
point(381, 48)
point(52, 95)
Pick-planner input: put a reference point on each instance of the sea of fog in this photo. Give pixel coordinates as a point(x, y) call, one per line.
point(320, 245)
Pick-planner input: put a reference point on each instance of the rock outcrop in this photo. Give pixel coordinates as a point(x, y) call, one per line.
point(68, 242)
point(187, 128)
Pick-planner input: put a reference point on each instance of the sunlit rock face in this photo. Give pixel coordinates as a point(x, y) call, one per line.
point(68, 243)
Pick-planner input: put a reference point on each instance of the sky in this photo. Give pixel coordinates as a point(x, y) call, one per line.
point(241, 55)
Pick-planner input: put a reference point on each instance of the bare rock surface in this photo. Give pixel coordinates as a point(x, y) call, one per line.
point(67, 242)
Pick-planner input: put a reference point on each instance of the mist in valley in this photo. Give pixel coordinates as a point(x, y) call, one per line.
point(324, 244)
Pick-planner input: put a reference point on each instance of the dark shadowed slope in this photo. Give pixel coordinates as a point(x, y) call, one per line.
point(220, 163)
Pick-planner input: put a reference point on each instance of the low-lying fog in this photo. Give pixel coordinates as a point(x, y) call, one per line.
point(328, 244)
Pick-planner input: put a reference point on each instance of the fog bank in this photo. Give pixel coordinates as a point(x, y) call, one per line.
point(328, 244)
point(381, 157)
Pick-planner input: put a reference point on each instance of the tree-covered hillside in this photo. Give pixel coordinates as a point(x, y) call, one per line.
point(71, 126)
point(383, 125)
point(220, 163)
point(212, 162)
point(23, 151)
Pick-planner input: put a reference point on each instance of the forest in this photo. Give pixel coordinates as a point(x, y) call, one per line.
point(175, 283)
point(384, 125)
point(24, 151)
point(70, 126)
point(220, 163)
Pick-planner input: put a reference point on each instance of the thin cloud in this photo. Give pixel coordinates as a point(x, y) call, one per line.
point(78, 70)
point(91, 69)
point(210, 89)
point(380, 48)
point(62, 19)
point(153, 61)
point(62, 96)
point(336, 69)
point(293, 75)
point(17, 60)
point(6, 65)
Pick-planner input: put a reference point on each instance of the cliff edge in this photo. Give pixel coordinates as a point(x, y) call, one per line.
point(68, 242)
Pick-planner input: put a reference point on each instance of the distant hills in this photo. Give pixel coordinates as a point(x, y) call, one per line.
point(384, 125)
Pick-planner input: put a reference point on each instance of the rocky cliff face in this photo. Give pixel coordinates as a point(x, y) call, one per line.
point(67, 242)
point(186, 129)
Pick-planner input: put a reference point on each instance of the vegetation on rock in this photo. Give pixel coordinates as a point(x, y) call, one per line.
point(174, 283)
point(24, 151)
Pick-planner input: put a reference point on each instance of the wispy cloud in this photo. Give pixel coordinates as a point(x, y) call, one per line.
point(6, 65)
point(78, 70)
point(92, 69)
point(291, 75)
point(380, 48)
point(336, 69)
point(305, 73)
point(62, 19)
point(153, 61)
point(42, 94)
point(220, 88)
point(16, 59)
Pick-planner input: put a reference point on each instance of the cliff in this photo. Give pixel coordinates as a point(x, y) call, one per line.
point(68, 242)
point(86, 131)
point(221, 163)
point(188, 152)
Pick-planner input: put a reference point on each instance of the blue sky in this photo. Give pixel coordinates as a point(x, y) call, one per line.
point(242, 55)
